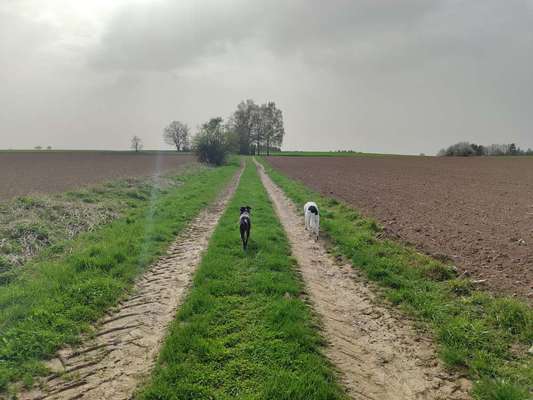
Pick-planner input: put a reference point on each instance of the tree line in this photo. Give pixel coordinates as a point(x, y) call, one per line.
point(466, 149)
point(251, 129)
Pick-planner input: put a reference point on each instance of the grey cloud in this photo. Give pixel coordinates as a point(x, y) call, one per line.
point(389, 76)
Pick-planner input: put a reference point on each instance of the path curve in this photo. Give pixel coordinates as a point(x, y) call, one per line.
point(127, 341)
point(377, 352)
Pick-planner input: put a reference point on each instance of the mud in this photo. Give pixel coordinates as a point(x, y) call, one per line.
point(378, 353)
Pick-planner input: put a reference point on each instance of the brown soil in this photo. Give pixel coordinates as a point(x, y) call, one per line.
point(475, 212)
point(378, 354)
point(125, 344)
point(23, 173)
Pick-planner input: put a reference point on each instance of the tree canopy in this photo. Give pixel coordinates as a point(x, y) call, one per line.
point(259, 128)
point(177, 134)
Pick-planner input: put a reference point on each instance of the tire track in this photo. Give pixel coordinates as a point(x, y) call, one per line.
point(124, 347)
point(377, 352)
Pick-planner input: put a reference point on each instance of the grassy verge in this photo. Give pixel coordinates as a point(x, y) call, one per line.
point(58, 295)
point(30, 225)
point(243, 332)
point(487, 337)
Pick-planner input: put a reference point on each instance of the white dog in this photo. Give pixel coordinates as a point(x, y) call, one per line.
point(312, 218)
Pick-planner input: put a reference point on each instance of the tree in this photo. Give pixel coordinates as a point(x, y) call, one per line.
point(177, 134)
point(463, 149)
point(241, 124)
point(274, 130)
point(136, 143)
point(258, 127)
point(479, 150)
point(212, 143)
point(256, 131)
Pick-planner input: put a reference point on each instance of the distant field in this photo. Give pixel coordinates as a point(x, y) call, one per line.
point(475, 212)
point(27, 172)
point(328, 154)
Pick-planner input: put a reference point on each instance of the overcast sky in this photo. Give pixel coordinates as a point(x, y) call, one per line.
point(397, 76)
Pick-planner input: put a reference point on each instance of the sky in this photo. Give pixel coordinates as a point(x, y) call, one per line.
point(388, 76)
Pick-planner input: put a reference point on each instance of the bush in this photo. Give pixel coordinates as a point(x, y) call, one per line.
point(463, 149)
point(471, 149)
point(213, 143)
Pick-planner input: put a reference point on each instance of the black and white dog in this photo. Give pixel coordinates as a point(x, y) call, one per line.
point(312, 218)
point(245, 225)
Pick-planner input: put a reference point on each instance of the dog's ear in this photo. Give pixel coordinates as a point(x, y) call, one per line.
point(243, 209)
point(249, 208)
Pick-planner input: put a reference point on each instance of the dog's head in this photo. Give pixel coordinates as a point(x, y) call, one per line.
point(246, 209)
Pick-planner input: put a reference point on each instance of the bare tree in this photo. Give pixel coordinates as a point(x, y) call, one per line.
point(177, 134)
point(136, 143)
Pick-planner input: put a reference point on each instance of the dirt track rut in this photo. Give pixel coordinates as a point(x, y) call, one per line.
point(126, 343)
point(377, 352)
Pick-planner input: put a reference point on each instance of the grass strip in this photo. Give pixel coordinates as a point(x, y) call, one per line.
point(485, 336)
point(56, 298)
point(243, 331)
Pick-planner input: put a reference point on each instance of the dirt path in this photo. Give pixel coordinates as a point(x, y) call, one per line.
point(127, 342)
point(378, 353)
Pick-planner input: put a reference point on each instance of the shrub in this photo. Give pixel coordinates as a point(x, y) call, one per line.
point(212, 144)
point(463, 149)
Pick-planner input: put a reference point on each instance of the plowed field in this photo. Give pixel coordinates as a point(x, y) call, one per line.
point(475, 212)
point(23, 173)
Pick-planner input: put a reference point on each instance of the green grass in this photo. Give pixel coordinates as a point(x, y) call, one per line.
point(243, 331)
point(30, 225)
point(487, 337)
point(56, 297)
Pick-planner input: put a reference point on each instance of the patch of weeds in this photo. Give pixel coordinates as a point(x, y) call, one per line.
point(439, 272)
point(31, 225)
point(475, 331)
point(460, 287)
point(5, 265)
point(499, 390)
point(513, 317)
